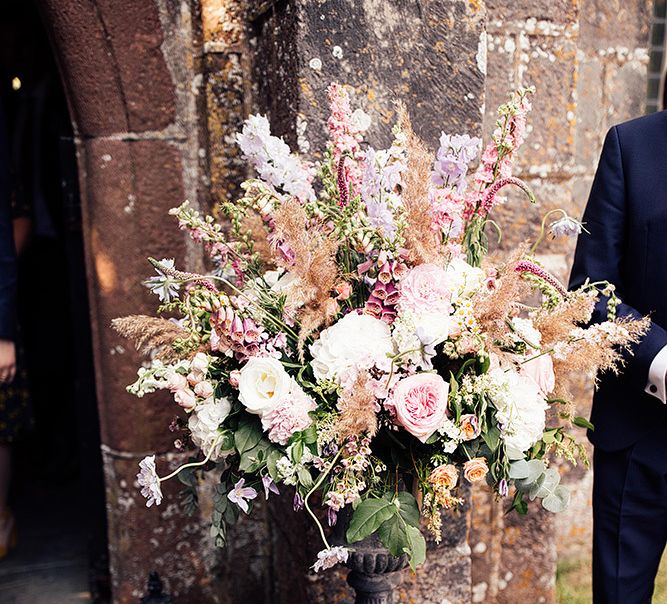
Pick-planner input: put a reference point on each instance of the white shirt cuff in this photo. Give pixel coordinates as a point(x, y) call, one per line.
point(656, 376)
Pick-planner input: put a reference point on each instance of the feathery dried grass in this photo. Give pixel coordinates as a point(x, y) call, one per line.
point(151, 335)
point(557, 323)
point(599, 350)
point(314, 264)
point(420, 238)
point(492, 308)
point(357, 411)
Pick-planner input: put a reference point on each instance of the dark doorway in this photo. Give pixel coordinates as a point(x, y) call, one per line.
point(57, 491)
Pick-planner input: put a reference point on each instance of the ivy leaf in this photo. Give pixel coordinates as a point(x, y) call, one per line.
point(368, 517)
point(247, 435)
point(417, 548)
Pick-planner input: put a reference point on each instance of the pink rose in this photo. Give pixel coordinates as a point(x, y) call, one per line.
point(420, 403)
point(234, 376)
point(425, 288)
point(204, 389)
point(185, 398)
point(541, 371)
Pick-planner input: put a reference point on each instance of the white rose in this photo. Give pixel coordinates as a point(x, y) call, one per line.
point(263, 382)
point(464, 279)
point(520, 408)
point(204, 422)
point(354, 342)
point(199, 363)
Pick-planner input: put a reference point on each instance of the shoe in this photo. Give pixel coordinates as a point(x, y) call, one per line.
point(7, 534)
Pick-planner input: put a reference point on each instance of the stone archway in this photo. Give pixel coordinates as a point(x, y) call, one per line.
point(129, 69)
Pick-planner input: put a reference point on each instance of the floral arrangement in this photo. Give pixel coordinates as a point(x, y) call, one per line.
point(352, 337)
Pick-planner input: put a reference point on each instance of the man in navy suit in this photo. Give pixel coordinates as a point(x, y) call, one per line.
point(626, 217)
point(7, 268)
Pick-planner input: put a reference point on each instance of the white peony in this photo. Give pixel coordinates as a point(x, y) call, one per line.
point(520, 408)
point(354, 342)
point(263, 383)
point(204, 422)
point(463, 278)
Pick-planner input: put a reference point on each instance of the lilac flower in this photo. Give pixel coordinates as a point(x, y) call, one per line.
point(452, 160)
point(149, 481)
point(240, 494)
point(330, 557)
point(269, 485)
point(565, 227)
point(298, 502)
point(165, 286)
point(332, 517)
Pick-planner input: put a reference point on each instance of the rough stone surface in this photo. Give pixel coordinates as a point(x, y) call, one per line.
point(423, 53)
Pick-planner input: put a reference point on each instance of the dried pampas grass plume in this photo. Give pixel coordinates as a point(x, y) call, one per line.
point(357, 412)
point(420, 238)
point(151, 335)
point(314, 264)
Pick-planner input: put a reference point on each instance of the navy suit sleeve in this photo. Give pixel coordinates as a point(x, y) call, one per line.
point(7, 250)
point(599, 253)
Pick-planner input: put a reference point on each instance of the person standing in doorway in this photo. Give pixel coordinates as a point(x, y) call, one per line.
point(7, 331)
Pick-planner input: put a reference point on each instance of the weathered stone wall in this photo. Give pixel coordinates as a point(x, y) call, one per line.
point(157, 90)
point(588, 61)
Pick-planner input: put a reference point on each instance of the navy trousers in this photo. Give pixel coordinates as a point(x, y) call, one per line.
point(629, 519)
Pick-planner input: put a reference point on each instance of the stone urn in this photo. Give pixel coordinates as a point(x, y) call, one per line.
point(374, 572)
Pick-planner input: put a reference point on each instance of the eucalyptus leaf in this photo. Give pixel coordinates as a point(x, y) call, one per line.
point(558, 500)
point(545, 485)
point(519, 469)
point(368, 517)
point(535, 470)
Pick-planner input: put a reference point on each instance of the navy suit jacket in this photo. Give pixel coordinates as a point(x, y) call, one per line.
point(626, 216)
point(7, 251)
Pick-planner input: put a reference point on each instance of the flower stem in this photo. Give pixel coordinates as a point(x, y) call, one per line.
point(316, 486)
point(194, 464)
point(543, 228)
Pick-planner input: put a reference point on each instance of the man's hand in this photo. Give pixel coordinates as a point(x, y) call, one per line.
point(7, 361)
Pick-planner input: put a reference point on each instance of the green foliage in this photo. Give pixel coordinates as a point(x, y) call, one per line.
point(367, 518)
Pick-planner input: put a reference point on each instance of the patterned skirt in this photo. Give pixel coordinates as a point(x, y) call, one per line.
point(15, 409)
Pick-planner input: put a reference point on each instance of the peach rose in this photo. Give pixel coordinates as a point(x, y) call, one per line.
point(475, 469)
point(420, 403)
point(444, 476)
point(469, 426)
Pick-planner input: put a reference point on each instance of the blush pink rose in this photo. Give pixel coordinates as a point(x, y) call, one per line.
point(541, 371)
point(185, 398)
point(420, 403)
point(425, 288)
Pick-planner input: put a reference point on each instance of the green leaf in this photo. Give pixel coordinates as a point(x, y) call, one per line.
point(305, 479)
point(557, 501)
point(545, 485)
point(368, 517)
point(408, 508)
point(535, 470)
point(393, 536)
point(248, 435)
point(492, 438)
point(297, 452)
point(271, 461)
point(417, 548)
point(310, 434)
point(582, 422)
